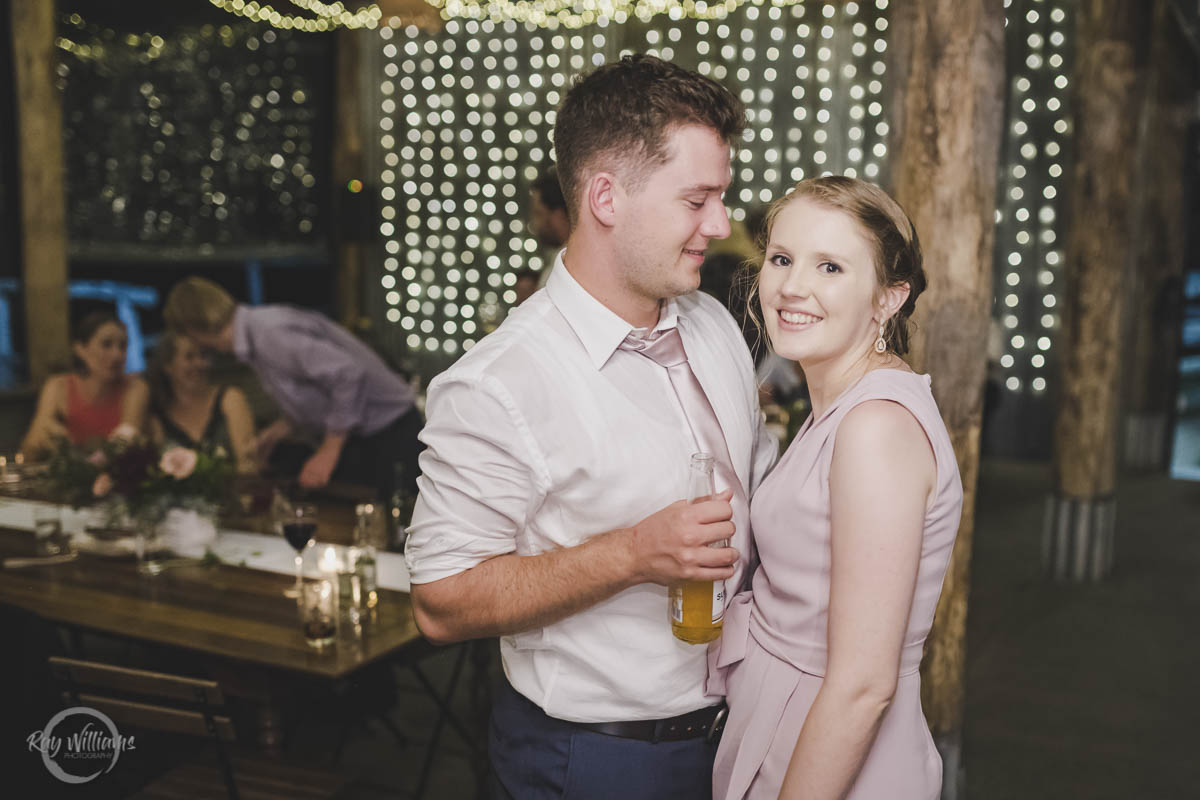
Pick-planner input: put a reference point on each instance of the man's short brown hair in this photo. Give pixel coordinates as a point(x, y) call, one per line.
point(623, 113)
point(197, 305)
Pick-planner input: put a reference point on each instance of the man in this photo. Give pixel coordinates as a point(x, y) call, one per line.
point(525, 285)
point(326, 381)
point(549, 511)
point(548, 219)
point(548, 222)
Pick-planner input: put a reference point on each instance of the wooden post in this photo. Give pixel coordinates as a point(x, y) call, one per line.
point(1159, 241)
point(348, 163)
point(1110, 45)
point(42, 186)
point(947, 76)
point(350, 160)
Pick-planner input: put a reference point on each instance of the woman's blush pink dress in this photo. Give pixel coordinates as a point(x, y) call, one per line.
point(771, 659)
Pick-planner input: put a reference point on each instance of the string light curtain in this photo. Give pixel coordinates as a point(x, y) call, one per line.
point(201, 141)
point(465, 119)
point(1031, 186)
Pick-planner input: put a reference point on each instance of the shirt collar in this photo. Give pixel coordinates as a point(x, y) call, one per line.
point(599, 329)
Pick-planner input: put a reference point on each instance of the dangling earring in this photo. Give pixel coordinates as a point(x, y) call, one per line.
point(880, 343)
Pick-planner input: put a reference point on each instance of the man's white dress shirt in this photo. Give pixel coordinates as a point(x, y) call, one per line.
point(545, 434)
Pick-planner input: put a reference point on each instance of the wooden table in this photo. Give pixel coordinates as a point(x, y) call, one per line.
point(225, 611)
point(231, 617)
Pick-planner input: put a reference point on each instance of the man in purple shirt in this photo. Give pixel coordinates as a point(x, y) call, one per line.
point(324, 379)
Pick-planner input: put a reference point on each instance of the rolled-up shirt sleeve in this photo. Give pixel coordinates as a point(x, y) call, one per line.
point(481, 479)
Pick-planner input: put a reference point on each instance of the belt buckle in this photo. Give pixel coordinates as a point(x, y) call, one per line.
point(716, 727)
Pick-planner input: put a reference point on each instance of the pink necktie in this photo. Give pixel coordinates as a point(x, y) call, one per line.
point(666, 349)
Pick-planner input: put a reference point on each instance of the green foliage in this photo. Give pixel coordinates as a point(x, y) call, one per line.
point(70, 476)
point(136, 478)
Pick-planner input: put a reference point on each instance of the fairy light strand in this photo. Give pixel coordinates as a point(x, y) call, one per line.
point(329, 17)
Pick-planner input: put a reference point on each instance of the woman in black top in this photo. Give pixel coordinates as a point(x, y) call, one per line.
point(190, 411)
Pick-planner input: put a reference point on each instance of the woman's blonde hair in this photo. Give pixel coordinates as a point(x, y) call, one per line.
point(892, 235)
point(197, 305)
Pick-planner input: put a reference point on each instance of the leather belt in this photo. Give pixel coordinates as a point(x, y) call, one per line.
point(704, 723)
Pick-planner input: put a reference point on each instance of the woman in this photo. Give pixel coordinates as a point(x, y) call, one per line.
point(325, 380)
point(95, 400)
point(189, 410)
point(854, 526)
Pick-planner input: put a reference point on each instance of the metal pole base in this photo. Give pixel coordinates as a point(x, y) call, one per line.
point(1145, 441)
point(1077, 538)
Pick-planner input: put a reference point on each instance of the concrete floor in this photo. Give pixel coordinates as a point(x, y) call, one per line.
point(1084, 691)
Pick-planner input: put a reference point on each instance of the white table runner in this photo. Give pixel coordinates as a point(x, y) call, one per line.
point(254, 550)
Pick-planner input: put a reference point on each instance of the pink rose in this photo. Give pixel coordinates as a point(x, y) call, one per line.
point(178, 462)
point(97, 458)
point(103, 485)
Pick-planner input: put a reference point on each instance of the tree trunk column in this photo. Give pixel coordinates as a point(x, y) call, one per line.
point(42, 180)
point(947, 77)
point(1160, 240)
point(349, 164)
point(1078, 533)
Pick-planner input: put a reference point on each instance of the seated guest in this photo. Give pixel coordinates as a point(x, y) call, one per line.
point(90, 403)
point(325, 380)
point(525, 285)
point(187, 409)
point(548, 220)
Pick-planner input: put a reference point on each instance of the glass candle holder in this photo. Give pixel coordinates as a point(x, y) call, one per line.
point(318, 612)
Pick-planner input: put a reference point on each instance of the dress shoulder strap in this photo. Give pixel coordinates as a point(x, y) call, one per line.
point(216, 419)
point(72, 381)
point(913, 391)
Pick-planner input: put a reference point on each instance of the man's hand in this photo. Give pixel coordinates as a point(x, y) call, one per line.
point(264, 443)
point(672, 545)
point(318, 468)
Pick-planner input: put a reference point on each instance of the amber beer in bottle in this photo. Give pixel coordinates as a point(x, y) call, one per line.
point(696, 608)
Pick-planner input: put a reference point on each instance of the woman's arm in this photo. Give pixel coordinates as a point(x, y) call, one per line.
point(880, 481)
point(135, 404)
point(47, 422)
point(240, 423)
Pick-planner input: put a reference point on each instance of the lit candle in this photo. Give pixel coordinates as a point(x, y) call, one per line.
point(330, 561)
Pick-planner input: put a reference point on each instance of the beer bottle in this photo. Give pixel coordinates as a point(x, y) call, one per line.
point(696, 608)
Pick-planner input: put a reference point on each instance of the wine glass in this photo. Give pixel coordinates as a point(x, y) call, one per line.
point(298, 524)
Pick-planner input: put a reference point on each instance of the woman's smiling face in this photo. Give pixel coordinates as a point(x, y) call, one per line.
point(103, 355)
point(818, 284)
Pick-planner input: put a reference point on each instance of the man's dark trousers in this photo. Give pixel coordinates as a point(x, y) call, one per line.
point(537, 757)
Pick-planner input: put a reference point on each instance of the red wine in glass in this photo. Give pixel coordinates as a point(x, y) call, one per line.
point(298, 526)
point(299, 534)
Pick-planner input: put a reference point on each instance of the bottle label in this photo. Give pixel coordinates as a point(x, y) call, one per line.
point(676, 605)
point(718, 606)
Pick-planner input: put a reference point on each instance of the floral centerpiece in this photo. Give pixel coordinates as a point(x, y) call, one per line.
point(170, 491)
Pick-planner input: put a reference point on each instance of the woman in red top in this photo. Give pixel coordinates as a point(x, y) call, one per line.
point(92, 402)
